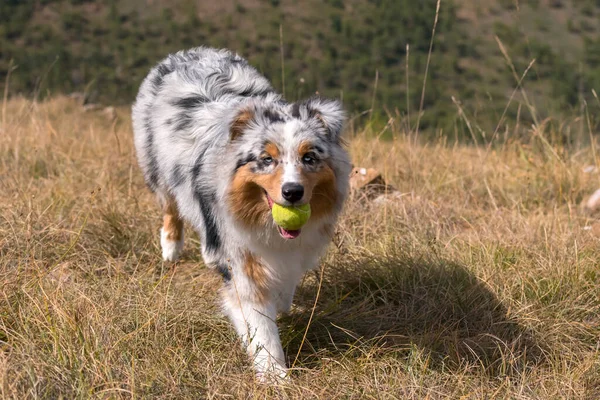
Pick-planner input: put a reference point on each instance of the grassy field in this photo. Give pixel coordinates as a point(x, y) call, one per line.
point(481, 280)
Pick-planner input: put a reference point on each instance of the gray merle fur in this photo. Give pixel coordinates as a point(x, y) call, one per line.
point(202, 115)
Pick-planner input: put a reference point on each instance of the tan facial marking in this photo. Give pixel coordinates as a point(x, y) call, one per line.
point(246, 196)
point(321, 186)
point(172, 223)
point(272, 150)
point(304, 148)
point(257, 274)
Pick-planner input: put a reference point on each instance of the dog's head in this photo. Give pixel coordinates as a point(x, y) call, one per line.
point(290, 154)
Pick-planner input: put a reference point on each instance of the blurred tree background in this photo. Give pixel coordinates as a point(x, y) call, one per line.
point(363, 51)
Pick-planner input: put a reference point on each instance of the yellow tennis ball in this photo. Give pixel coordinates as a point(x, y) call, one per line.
point(291, 218)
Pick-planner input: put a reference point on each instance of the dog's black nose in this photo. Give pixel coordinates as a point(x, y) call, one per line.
point(292, 192)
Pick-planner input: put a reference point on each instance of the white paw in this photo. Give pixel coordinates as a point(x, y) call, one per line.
point(274, 374)
point(171, 249)
point(269, 369)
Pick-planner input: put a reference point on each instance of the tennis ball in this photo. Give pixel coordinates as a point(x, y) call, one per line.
point(291, 218)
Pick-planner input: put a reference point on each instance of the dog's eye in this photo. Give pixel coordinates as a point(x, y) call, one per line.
point(267, 160)
point(309, 158)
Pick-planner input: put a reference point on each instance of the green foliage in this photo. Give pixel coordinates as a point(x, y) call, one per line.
point(356, 50)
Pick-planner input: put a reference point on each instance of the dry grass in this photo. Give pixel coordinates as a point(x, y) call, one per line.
point(479, 282)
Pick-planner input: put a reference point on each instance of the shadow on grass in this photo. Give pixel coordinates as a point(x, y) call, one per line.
point(395, 305)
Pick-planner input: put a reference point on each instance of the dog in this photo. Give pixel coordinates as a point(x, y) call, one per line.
point(218, 146)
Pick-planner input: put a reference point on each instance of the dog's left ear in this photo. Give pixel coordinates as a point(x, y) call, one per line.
point(327, 111)
point(240, 123)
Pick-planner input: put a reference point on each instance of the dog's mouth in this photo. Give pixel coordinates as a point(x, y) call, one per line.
point(284, 233)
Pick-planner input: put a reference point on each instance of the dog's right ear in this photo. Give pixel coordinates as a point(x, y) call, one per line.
point(240, 123)
point(327, 112)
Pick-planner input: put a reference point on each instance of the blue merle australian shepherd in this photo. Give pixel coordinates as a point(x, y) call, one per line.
point(218, 146)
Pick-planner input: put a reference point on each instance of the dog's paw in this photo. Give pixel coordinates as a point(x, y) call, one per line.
point(171, 249)
point(275, 374)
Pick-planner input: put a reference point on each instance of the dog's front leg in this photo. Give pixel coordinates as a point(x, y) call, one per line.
point(254, 318)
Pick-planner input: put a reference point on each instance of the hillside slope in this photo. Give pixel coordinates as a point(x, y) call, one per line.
point(339, 48)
